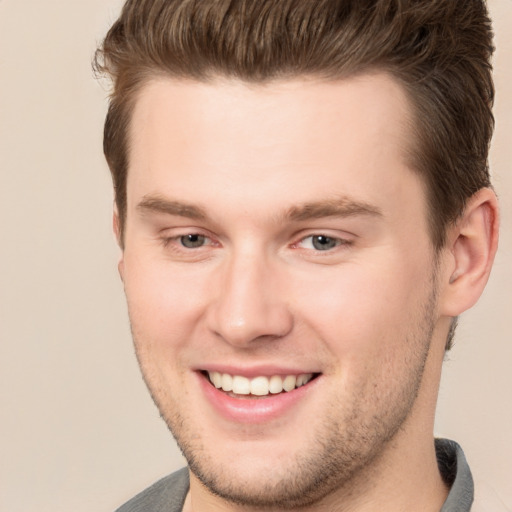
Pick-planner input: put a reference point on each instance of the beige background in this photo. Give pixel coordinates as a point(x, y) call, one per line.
point(77, 429)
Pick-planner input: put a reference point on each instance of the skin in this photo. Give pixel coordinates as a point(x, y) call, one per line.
point(237, 164)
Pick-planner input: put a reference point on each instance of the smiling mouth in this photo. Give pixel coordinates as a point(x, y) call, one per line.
point(262, 386)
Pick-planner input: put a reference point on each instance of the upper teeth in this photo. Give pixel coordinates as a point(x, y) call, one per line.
point(260, 386)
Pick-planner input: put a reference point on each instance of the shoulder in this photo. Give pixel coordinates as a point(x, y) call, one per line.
point(168, 494)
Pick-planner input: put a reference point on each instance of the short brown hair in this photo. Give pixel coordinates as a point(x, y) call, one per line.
point(439, 50)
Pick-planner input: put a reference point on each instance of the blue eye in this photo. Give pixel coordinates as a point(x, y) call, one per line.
point(324, 243)
point(193, 241)
point(320, 242)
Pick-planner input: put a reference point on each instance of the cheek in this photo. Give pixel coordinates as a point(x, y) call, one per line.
point(162, 318)
point(164, 304)
point(365, 309)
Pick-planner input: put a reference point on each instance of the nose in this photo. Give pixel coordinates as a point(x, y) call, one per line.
point(249, 304)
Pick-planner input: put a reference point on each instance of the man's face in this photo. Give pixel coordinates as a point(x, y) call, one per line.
point(275, 237)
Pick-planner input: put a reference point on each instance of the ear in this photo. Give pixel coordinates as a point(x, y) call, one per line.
point(116, 226)
point(471, 247)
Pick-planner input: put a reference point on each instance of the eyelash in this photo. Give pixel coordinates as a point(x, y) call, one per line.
point(339, 242)
point(176, 242)
point(168, 241)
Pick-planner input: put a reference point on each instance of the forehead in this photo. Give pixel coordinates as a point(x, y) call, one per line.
point(304, 137)
point(315, 109)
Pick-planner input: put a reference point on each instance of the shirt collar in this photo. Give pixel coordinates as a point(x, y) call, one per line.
point(455, 471)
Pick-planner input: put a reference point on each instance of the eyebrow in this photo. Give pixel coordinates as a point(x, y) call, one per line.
point(156, 204)
point(337, 207)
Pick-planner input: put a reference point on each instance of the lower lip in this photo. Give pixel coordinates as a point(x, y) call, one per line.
point(254, 410)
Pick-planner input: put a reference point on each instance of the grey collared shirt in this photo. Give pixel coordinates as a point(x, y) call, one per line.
point(456, 473)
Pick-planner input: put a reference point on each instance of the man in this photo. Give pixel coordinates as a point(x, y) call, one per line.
point(304, 209)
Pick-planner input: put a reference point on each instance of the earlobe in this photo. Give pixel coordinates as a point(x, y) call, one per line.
point(472, 246)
